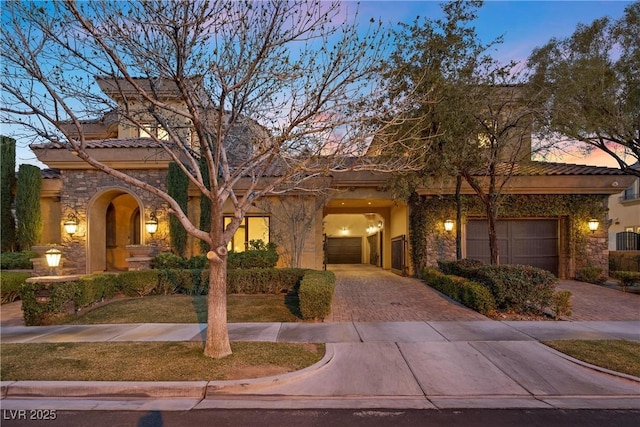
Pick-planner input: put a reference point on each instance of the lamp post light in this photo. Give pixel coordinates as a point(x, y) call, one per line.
point(593, 224)
point(53, 257)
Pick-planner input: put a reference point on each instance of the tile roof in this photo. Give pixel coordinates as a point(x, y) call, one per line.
point(105, 143)
point(537, 168)
point(50, 173)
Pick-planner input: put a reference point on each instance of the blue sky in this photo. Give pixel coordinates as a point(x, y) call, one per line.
point(523, 24)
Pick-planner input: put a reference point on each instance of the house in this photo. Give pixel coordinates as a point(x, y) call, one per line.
point(544, 219)
point(624, 229)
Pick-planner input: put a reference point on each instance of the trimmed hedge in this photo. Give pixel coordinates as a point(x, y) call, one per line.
point(471, 294)
point(263, 280)
point(17, 260)
point(45, 303)
point(250, 259)
point(316, 293)
point(10, 285)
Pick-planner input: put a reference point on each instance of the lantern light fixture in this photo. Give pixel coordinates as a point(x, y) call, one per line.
point(71, 224)
point(152, 223)
point(448, 225)
point(53, 257)
point(593, 224)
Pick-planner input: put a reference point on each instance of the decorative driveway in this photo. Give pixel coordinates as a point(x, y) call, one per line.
point(365, 293)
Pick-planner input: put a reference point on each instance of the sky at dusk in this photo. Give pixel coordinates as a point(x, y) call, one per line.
point(524, 25)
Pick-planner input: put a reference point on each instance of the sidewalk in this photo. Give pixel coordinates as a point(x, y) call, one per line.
point(417, 364)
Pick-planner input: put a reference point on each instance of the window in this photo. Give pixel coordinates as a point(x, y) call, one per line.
point(148, 131)
point(251, 228)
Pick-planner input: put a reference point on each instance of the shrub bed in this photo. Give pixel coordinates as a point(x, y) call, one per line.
point(316, 293)
point(471, 294)
point(17, 260)
point(626, 278)
point(10, 284)
point(519, 288)
point(464, 267)
point(45, 303)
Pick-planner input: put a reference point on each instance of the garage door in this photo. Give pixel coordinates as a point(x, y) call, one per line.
point(344, 250)
point(528, 242)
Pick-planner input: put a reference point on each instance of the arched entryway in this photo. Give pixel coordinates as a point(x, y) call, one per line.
point(114, 221)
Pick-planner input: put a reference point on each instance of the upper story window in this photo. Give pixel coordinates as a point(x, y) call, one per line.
point(631, 193)
point(149, 131)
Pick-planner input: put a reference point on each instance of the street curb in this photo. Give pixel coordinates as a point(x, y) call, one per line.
point(149, 389)
point(590, 366)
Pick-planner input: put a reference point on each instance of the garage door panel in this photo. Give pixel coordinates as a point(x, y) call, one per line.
point(344, 250)
point(528, 242)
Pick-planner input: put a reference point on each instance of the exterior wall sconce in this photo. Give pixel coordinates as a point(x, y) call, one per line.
point(53, 257)
point(593, 224)
point(448, 225)
point(152, 224)
point(71, 224)
point(344, 231)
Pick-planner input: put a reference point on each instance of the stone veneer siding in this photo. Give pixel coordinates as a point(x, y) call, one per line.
point(80, 186)
point(579, 247)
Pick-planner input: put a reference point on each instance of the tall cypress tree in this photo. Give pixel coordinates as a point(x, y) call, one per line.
point(205, 205)
point(177, 187)
point(28, 213)
point(7, 188)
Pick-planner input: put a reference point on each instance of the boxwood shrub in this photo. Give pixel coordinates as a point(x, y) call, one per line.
point(471, 294)
point(138, 283)
point(316, 293)
point(10, 284)
point(43, 304)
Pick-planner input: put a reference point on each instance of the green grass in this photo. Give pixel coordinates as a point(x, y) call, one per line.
point(620, 356)
point(192, 309)
point(151, 361)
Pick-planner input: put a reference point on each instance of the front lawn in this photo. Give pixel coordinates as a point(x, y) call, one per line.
point(151, 361)
point(191, 309)
point(615, 355)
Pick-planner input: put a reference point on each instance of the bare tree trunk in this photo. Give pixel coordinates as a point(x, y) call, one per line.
point(217, 344)
point(493, 236)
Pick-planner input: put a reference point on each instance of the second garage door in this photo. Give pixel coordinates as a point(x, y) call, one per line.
point(344, 250)
point(528, 242)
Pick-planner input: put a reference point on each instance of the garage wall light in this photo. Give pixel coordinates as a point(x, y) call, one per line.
point(593, 224)
point(448, 225)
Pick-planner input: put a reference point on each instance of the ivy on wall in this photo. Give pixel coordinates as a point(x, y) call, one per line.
point(428, 213)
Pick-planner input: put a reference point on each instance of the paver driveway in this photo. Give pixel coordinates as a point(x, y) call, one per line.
point(365, 293)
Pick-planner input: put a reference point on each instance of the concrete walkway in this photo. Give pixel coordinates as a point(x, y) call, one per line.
point(439, 364)
point(426, 363)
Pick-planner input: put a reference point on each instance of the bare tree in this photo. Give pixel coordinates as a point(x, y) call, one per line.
point(267, 94)
point(296, 217)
